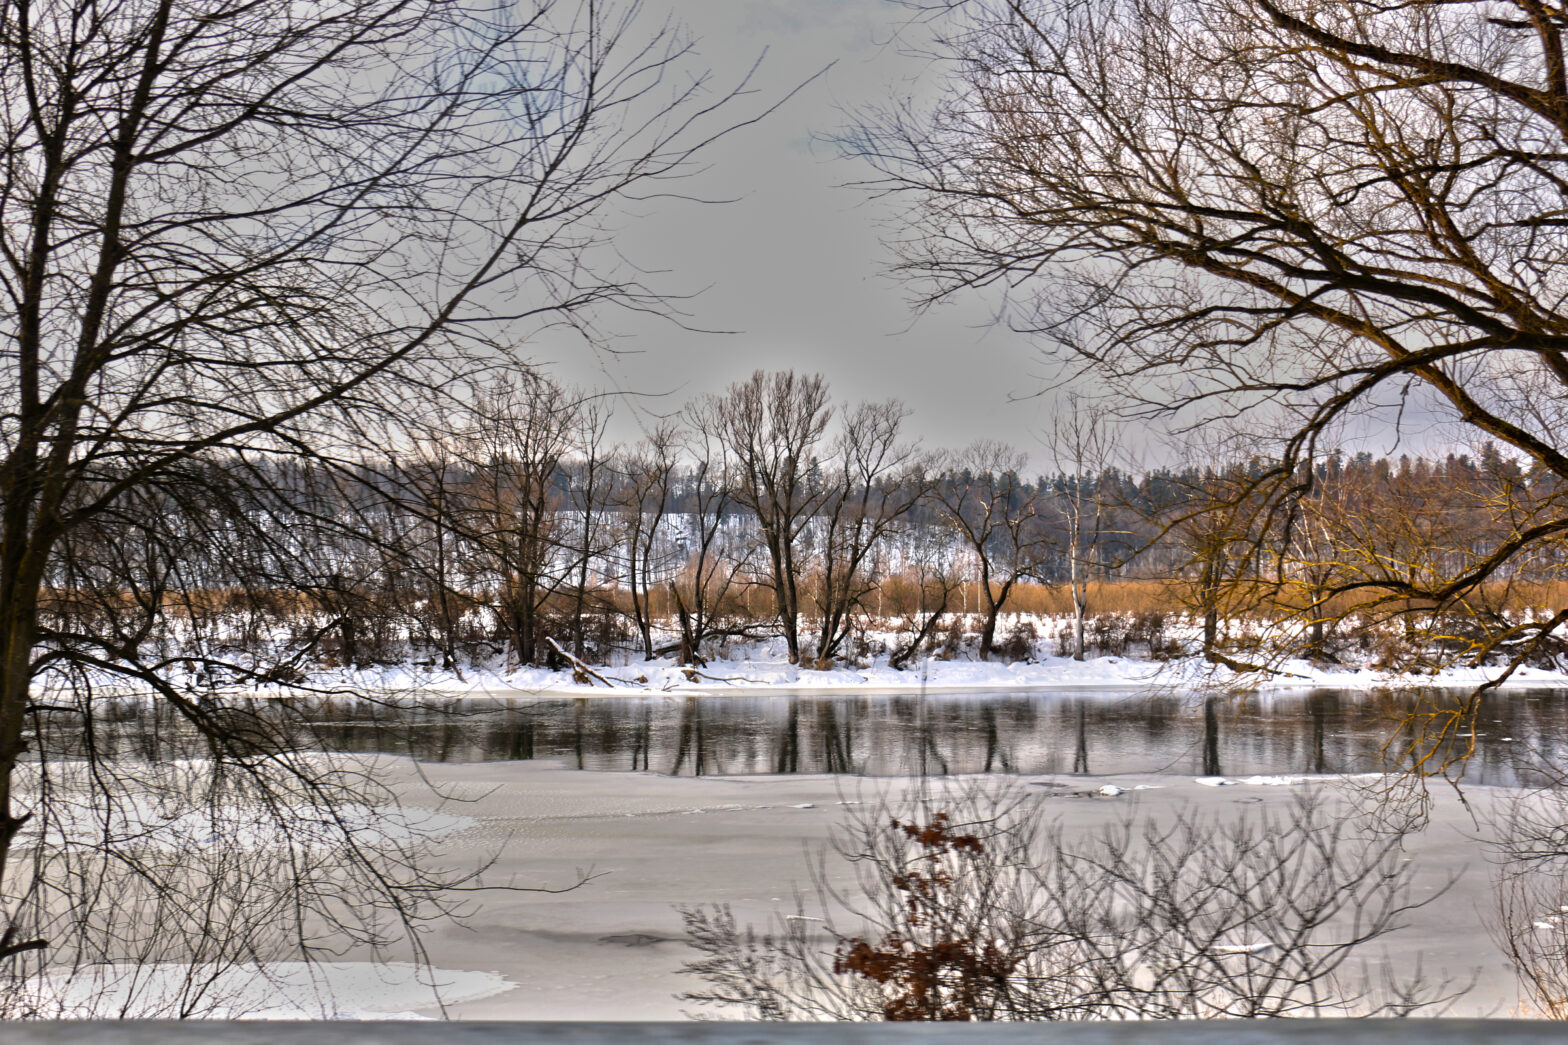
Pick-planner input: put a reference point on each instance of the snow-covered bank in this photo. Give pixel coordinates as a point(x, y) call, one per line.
point(764, 670)
point(1030, 655)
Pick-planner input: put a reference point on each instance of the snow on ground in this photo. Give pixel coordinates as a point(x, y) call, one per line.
point(762, 666)
point(766, 669)
point(270, 991)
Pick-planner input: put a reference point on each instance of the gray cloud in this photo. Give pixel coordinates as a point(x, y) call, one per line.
point(795, 266)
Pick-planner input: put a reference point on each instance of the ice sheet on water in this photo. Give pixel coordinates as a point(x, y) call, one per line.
point(153, 823)
point(268, 991)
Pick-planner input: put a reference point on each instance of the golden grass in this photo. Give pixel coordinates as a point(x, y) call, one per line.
point(900, 596)
point(897, 596)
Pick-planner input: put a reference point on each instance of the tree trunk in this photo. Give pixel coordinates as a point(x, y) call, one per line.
point(642, 598)
point(1080, 611)
point(690, 640)
point(1211, 738)
point(18, 626)
point(988, 633)
point(580, 600)
point(901, 657)
point(785, 596)
point(348, 637)
point(1209, 594)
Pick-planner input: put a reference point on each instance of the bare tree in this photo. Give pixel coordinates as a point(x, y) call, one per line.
point(1531, 917)
point(159, 881)
point(1212, 526)
point(1299, 212)
point(715, 555)
point(431, 482)
point(519, 435)
point(974, 909)
point(773, 426)
point(648, 477)
point(983, 498)
point(228, 230)
point(1313, 565)
point(938, 579)
point(223, 842)
point(1083, 445)
point(873, 483)
point(587, 483)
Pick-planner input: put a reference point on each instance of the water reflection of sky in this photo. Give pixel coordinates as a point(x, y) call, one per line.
point(1324, 731)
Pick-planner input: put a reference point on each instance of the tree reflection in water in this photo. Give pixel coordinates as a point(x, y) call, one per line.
point(1055, 733)
point(1211, 737)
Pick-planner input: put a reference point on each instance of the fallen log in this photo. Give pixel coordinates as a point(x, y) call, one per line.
point(581, 673)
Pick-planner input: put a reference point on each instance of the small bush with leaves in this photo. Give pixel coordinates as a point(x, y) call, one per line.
point(969, 908)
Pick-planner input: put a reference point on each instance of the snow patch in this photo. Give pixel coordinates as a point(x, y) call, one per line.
point(1259, 947)
point(1263, 781)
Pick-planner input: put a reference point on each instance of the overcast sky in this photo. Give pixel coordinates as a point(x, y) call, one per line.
point(797, 269)
point(795, 266)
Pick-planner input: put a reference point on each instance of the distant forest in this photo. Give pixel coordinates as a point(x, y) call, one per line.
point(515, 533)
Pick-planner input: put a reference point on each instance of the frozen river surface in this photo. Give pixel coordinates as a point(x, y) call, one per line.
point(722, 800)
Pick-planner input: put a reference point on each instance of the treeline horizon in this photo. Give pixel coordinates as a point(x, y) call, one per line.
point(514, 529)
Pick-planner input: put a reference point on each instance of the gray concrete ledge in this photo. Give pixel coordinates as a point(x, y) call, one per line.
point(1236, 1032)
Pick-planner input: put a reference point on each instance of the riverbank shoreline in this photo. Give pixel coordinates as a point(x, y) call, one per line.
point(775, 676)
